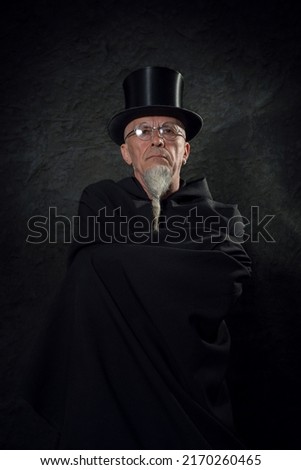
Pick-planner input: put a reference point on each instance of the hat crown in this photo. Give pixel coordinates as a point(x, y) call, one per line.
point(153, 91)
point(153, 86)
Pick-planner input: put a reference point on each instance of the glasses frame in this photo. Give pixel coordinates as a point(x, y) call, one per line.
point(153, 128)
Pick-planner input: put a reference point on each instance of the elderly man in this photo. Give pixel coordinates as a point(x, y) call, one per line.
point(136, 350)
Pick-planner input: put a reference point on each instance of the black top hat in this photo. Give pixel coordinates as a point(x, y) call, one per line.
point(153, 91)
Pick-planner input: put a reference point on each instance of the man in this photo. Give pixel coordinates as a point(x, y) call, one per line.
point(136, 350)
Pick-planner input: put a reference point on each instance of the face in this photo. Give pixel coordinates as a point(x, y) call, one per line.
point(143, 155)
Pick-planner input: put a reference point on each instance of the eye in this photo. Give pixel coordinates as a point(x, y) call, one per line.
point(146, 131)
point(143, 131)
point(168, 130)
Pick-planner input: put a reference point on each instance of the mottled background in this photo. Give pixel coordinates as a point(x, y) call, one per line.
point(62, 66)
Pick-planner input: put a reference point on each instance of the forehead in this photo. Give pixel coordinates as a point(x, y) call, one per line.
point(153, 121)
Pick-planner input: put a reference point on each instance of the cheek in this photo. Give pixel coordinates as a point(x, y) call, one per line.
point(179, 155)
point(137, 160)
point(137, 155)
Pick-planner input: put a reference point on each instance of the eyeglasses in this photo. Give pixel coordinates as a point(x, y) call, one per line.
point(168, 131)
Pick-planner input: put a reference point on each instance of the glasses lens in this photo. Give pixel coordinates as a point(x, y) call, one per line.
point(144, 132)
point(169, 131)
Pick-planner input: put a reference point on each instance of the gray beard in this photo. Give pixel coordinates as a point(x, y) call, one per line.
point(157, 180)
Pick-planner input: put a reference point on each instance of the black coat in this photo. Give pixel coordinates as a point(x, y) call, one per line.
point(136, 350)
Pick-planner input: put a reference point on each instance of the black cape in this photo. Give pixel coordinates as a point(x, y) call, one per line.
point(136, 350)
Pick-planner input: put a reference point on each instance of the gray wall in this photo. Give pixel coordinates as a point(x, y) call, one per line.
point(61, 75)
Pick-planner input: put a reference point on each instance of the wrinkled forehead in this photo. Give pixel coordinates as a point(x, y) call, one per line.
point(152, 121)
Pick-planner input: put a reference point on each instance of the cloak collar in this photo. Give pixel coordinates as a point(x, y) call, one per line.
point(197, 189)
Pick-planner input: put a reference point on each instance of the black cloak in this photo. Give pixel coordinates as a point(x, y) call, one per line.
point(136, 350)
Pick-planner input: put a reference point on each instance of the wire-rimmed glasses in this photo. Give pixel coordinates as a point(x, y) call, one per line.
point(167, 131)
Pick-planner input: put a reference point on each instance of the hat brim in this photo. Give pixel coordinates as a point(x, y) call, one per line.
point(192, 121)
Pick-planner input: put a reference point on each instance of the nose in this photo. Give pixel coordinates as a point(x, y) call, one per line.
point(157, 139)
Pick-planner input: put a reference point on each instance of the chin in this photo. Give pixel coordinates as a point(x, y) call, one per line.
point(158, 162)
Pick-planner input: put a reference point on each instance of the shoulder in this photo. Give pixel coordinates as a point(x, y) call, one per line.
point(227, 213)
point(199, 190)
point(105, 190)
point(100, 187)
point(109, 186)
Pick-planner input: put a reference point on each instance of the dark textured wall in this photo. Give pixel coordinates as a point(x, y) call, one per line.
point(62, 67)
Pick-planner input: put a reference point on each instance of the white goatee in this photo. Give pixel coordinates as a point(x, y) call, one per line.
point(157, 180)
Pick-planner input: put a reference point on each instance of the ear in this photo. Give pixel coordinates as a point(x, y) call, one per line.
point(125, 154)
point(186, 151)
